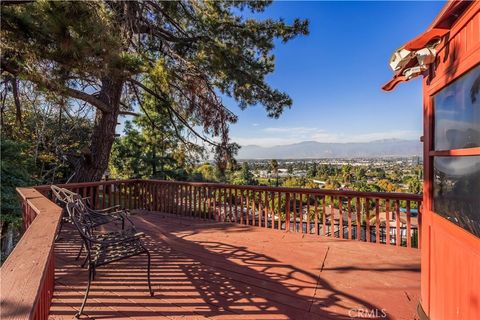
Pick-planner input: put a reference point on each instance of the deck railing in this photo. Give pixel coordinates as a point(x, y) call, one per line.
point(28, 273)
point(388, 218)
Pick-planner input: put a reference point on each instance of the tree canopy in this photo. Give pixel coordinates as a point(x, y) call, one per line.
point(108, 54)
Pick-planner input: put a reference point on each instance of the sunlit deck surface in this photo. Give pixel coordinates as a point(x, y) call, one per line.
point(204, 269)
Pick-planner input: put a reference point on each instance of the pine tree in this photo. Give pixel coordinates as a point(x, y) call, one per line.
point(101, 52)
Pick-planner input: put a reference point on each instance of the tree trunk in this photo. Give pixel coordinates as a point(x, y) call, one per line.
point(94, 162)
point(154, 160)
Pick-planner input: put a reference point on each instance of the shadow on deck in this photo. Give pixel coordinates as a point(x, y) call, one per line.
point(228, 271)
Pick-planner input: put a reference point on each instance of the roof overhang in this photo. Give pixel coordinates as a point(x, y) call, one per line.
point(413, 58)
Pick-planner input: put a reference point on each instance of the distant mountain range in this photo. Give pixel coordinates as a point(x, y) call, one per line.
point(313, 149)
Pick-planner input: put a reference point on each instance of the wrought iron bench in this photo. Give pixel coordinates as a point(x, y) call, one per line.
point(104, 248)
point(98, 217)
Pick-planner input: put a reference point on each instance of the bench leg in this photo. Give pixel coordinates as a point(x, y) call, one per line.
point(148, 275)
point(80, 251)
point(91, 271)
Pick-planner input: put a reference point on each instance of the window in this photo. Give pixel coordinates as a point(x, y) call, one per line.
point(457, 113)
point(456, 190)
point(456, 176)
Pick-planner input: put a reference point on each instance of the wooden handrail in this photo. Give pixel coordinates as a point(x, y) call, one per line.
point(28, 273)
point(46, 187)
point(381, 195)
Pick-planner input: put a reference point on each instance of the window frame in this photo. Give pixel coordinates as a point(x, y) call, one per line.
point(431, 152)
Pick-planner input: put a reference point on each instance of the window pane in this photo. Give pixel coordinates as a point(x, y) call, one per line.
point(456, 191)
point(457, 113)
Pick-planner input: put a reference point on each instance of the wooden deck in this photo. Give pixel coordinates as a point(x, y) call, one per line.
point(227, 271)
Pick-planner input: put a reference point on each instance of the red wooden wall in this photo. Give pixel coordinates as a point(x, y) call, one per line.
point(450, 255)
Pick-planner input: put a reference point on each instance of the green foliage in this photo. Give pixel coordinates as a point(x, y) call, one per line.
point(290, 169)
point(51, 132)
point(414, 184)
point(15, 172)
point(312, 170)
point(274, 170)
point(244, 176)
point(188, 52)
point(206, 172)
point(294, 182)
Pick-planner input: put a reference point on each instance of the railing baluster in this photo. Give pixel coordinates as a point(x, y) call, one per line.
point(332, 216)
point(359, 220)
point(367, 219)
point(211, 199)
point(397, 224)
point(189, 202)
point(258, 208)
point(236, 205)
point(223, 212)
point(301, 212)
point(128, 196)
point(419, 227)
point(287, 211)
point(162, 197)
point(409, 236)
point(271, 209)
point(195, 208)
point(186, 212)
point(340, 221)
point(316, 215)
point(230, 206)
point(349, 217)
point(324, 215)
point(295, 212)
point(207, 202)
point(201, 202)
point(377, 221)
point(387, 221)
point(265, 209)
point(253, 219)
point(119, 194)
point(308, 214)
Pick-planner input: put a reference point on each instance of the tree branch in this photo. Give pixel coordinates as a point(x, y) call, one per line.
point(97, 103)
point(177, 115)
point(129, 113)
point(41, 80)
point(16, 99)
point(154, 125)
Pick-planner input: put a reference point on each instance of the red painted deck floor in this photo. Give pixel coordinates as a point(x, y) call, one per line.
point(226, 271)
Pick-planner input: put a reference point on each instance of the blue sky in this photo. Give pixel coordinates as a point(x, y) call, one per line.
point(335, 74)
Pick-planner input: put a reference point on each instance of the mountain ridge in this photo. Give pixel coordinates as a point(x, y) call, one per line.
point(314, 149)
